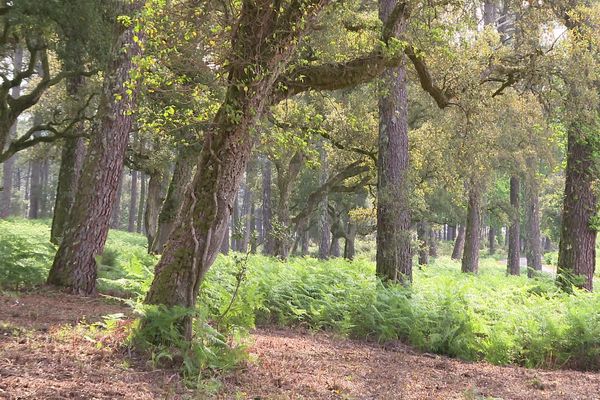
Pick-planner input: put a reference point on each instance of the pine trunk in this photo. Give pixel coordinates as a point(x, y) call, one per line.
point(394, 253)
point(324, 227)
point(267, 213)
point(422, 231)
point(514, 244)
point(492, 241)
point(532, 225)
point(154, 201)
point(141, 210)
point(133, 202)
point(577, 247)
point(74, 266)
point(470, 257)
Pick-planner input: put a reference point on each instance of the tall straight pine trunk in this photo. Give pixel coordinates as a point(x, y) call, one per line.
point(394, 254)
point(513, 266)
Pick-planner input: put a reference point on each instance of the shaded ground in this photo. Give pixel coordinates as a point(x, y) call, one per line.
point(41, 359)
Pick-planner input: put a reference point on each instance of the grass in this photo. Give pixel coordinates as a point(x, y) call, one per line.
point(491, 316)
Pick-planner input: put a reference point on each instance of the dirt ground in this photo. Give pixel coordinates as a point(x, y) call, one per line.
point(41, 359)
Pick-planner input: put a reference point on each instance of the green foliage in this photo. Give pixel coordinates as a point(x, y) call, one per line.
point(25, 253)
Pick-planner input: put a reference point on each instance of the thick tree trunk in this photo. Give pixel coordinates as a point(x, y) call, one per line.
point(470, 257)
point(133, 202)
point(141, 210)
point(394, 253)
point(8, 165)
point(154, 201)
point(182, 175)
point(422, 231)
point(514, 244)
point(75, 265)
point(334, 249)
point(267, 213)
point(577, 247)
point(492, 241)
point(532, 225)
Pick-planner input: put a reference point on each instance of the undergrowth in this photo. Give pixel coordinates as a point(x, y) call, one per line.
point(491, 316)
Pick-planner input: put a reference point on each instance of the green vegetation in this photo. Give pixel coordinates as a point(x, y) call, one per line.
point(494, 317)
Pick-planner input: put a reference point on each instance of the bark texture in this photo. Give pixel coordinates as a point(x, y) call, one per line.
point(533, 234)
point(470, 257)
point(577, 247)
point(74, 266)
point(514, 244)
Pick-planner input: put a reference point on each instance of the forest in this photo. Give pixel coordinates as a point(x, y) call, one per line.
point(299, 199)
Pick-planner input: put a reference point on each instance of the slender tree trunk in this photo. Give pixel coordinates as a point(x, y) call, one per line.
point(459, 243)
point(252, 229)
point(349, 247)
point(577, 247)
point(141, 210)
point(433, 241)
point(394, 253)
point(514, 244)
point(35, 191)
point(115, 219)
point(324, 227)
point(235, 224)
point(8, 165)
point(154, 201)
point(248, 207)
point(225, 242)
point(74, 265)
point(133, 202)
point(422, 231)
point(304, 243)
point(267, 213)
point(492, 241)
point(470, 257)
point(533, 234)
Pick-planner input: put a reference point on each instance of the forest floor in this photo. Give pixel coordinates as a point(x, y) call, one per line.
point(43, 355)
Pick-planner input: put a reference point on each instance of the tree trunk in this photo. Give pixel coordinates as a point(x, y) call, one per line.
point(324, 227)
point(459, 243)
point(35, 191)
point(225, 242)
point(141, 210)
point(252, 229)
point(304, 243)
point(349, 247)
point(433, 241)
point(285, 177)
point(394, 253)
point(514, 244)
point(422, 231)
point(75, 265)
point(267, 213)
point(182, 175)
point(133, 202)
point(334, 249)
point(248, 207)
point(235, 224)
point(532, 225)
point(8, 166)
point(115, 219)
point(154, 201)
point(577, 247)
point(492, 241)
point(470, 257)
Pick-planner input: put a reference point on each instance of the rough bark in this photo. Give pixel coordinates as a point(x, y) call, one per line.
point(8, 166)
point(577, 247)
point(532, 225)
point(133, 202)
point(182, 175)
point(71, 162)
point(470, 257)
point(74, 266)
point(514, 245)
point(394, 253)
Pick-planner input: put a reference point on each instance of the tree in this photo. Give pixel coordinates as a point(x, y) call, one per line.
point(514, 244)
point(74, 266)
